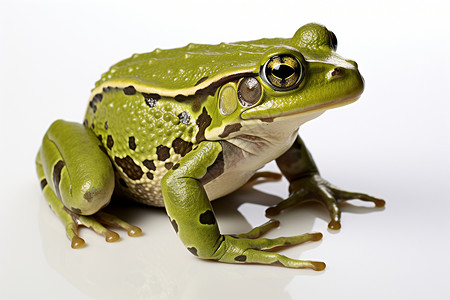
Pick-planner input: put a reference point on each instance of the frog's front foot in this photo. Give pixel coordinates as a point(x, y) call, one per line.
point(97, 223)
point(314, 188)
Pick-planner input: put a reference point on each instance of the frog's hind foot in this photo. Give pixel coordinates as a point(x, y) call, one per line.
point(254, 246)
point(314, 188)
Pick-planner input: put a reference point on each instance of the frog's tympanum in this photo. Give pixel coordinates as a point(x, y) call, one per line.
point(181, 127)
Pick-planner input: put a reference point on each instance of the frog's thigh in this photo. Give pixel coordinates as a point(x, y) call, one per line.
point(75, 167)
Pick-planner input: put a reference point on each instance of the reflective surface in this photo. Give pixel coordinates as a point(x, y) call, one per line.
point(392, 143)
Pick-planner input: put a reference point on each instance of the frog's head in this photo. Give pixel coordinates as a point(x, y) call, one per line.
point(298, 79)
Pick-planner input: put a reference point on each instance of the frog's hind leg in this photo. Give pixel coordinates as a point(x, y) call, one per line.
point(77, 180)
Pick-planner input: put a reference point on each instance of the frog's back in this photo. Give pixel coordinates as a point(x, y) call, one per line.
point(185, 70)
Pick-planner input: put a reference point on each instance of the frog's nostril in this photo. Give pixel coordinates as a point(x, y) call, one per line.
point(337, 72)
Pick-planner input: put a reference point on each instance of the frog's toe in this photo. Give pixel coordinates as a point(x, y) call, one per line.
point(260, 257)
point(134, 231)
point(115, 222)
point(260, 230)
point(262, 177)
point(334, 224)
point(77, 242)
point(97, 227)
point(345, 195)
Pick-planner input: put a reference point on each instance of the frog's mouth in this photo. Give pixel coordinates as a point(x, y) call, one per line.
point(315, 110)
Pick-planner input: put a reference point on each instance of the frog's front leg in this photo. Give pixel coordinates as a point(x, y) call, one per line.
point(193, 219)
point(77, 180)
point(306, 185)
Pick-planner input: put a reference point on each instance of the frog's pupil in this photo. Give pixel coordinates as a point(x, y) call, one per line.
point(282, 71)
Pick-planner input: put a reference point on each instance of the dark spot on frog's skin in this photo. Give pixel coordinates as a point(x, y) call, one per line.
point(149, 164)
point(211, 89)
point(176, 166)
point(43, 183)
point(109, 142)
point(86, 123)
point(162, 152)
point(100, 137)
point(149, 175)
point(230, 129)
point(267, 120)
point(93, 103)
point(240, 258)
point(106, 125)
point(174, 225)
point(203, 121)
point(208, 218)
point(151, 99)
point(76, 210)
point(129, 167)
point(214, 170)
point(194, 100)
point(132, 143)
point(103, 149)
point(168, 165)
point(129, 90)
point(122, 182)
point(185, 118)
point(193, 250)
point(89, 196)
point(201, 80)
point(57, 177)
point(92, 125)
point(109, 88)
point(181, 147)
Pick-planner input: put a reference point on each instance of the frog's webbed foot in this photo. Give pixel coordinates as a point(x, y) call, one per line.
point(238, 249)
point(97, 223)
point(314, 188)
point(248, 248)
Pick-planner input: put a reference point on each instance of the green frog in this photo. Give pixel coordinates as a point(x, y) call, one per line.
point(179, 128)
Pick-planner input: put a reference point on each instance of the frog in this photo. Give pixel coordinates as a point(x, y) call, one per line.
point(178, 128)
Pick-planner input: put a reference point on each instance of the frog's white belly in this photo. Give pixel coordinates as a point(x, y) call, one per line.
point(244, 154)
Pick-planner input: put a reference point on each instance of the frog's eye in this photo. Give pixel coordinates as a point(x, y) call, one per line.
point(283, 72)
point(249, 91)
point(333, 40)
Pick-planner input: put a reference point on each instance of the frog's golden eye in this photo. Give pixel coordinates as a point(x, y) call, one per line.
point(249, 91)
point(333, 40)
point(283, 72)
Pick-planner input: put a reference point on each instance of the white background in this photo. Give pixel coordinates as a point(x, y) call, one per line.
point(393, 143)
